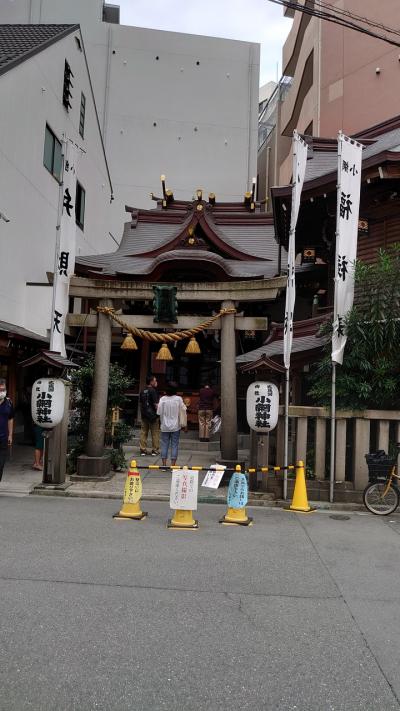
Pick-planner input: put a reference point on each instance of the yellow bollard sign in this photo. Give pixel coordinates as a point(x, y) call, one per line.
point(132, 495)
point(133, 488)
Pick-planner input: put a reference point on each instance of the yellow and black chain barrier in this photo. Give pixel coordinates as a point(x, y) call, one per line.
point(162, 337)
point(229, 470)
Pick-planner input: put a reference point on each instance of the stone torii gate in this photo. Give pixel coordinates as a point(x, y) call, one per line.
point(109, 293)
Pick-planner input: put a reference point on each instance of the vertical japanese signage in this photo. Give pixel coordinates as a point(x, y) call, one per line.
point(349, 185)
point(47, 403)
point(262, 406)
point(133, 488)
point(299, 171)
point(65, 258)
point(184, 486)
point(237, 491)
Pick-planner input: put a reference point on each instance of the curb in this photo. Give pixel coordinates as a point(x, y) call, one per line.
point(254, 503)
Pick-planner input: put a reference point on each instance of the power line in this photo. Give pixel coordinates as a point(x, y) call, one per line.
point(354, 16)
point(315, 12)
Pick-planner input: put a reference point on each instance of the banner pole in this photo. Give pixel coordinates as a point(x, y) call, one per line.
point(286, 442)
point(333, 435)
point(58, 241)
point(335, 315)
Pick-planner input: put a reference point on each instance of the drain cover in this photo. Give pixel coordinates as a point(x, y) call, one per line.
point(339, 517)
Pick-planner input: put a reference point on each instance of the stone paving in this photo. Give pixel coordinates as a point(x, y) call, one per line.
point(20, 479)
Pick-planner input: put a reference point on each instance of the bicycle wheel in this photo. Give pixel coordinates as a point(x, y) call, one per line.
point(378, 502)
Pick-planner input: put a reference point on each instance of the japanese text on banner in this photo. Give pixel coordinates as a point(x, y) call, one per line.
point(65, 259)
point(299, 148)
point(349, 185)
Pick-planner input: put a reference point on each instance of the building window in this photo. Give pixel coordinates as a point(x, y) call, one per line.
point(68, 85)
point(82, 116)
point(80, 205)
point(52, 157)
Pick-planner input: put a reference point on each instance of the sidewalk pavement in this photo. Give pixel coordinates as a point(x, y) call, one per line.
point(19, 479)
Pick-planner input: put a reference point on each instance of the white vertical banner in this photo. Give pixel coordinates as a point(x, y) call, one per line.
point(348, 205)
point(64, 264)
point(299, 148)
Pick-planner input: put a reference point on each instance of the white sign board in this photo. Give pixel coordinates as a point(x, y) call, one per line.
point(184, 485)
point(47, 403)
point(214, 475)
point(262, 406)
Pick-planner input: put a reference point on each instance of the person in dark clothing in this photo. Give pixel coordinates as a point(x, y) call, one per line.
point(6, 424)
point(205, 413)
point(150, 422)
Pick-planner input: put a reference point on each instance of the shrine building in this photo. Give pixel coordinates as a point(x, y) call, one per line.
point(179, 266)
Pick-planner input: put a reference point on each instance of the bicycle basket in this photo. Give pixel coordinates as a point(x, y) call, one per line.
point(379, 465)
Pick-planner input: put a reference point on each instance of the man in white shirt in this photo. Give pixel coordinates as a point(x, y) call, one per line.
point(172, 412)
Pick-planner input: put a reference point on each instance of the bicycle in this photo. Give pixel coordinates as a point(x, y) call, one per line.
point(382, 494)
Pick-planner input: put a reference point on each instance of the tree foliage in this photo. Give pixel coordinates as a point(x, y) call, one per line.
point(82, 384)
point(370, 375)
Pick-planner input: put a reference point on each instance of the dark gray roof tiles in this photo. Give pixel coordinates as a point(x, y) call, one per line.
point(256, 241)
point(325, 162)
point(20, 42)
point(303, 343)
point(140, 266)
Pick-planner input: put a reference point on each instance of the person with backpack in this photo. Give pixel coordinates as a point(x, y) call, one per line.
point(150, 423)
point(6, 424)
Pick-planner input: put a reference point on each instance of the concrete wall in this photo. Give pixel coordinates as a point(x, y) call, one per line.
point(346, 92)
point(30, 97)
point(353, 96)
point(201, 92)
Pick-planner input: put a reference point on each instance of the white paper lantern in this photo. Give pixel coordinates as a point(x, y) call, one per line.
point(47, 403)
point(262, 406)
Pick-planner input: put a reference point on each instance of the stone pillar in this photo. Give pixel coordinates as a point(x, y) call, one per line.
point(144, 372)
point(280, 441)
point(229, 449)
point(361, 448)
point(383, 435)
point(320, 447)
point(340, 462)
point(95, 464)
point(301, 440)
point(398, 440)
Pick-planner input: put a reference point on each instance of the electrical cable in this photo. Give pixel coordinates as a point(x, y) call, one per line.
point(315, 12)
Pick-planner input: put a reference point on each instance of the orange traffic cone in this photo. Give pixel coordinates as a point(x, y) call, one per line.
point(300, 500)
point(132, 495)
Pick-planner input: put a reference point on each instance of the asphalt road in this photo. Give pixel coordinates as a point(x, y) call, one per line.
point(296, 612)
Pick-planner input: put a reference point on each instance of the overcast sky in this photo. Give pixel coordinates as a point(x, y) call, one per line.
point(251, 20)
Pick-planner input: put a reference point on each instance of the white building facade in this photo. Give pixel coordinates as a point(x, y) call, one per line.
point(178, 104)
point(33, 122)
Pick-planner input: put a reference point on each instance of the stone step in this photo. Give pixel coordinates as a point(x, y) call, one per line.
point(188, 442)
point(191, 445)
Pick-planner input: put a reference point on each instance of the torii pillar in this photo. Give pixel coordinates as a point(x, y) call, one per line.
point(94, 464)
point(229, 448)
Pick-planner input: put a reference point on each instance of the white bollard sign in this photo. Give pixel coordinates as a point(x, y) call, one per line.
point(184, 486)
point(262, 406)
point(48, 400)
